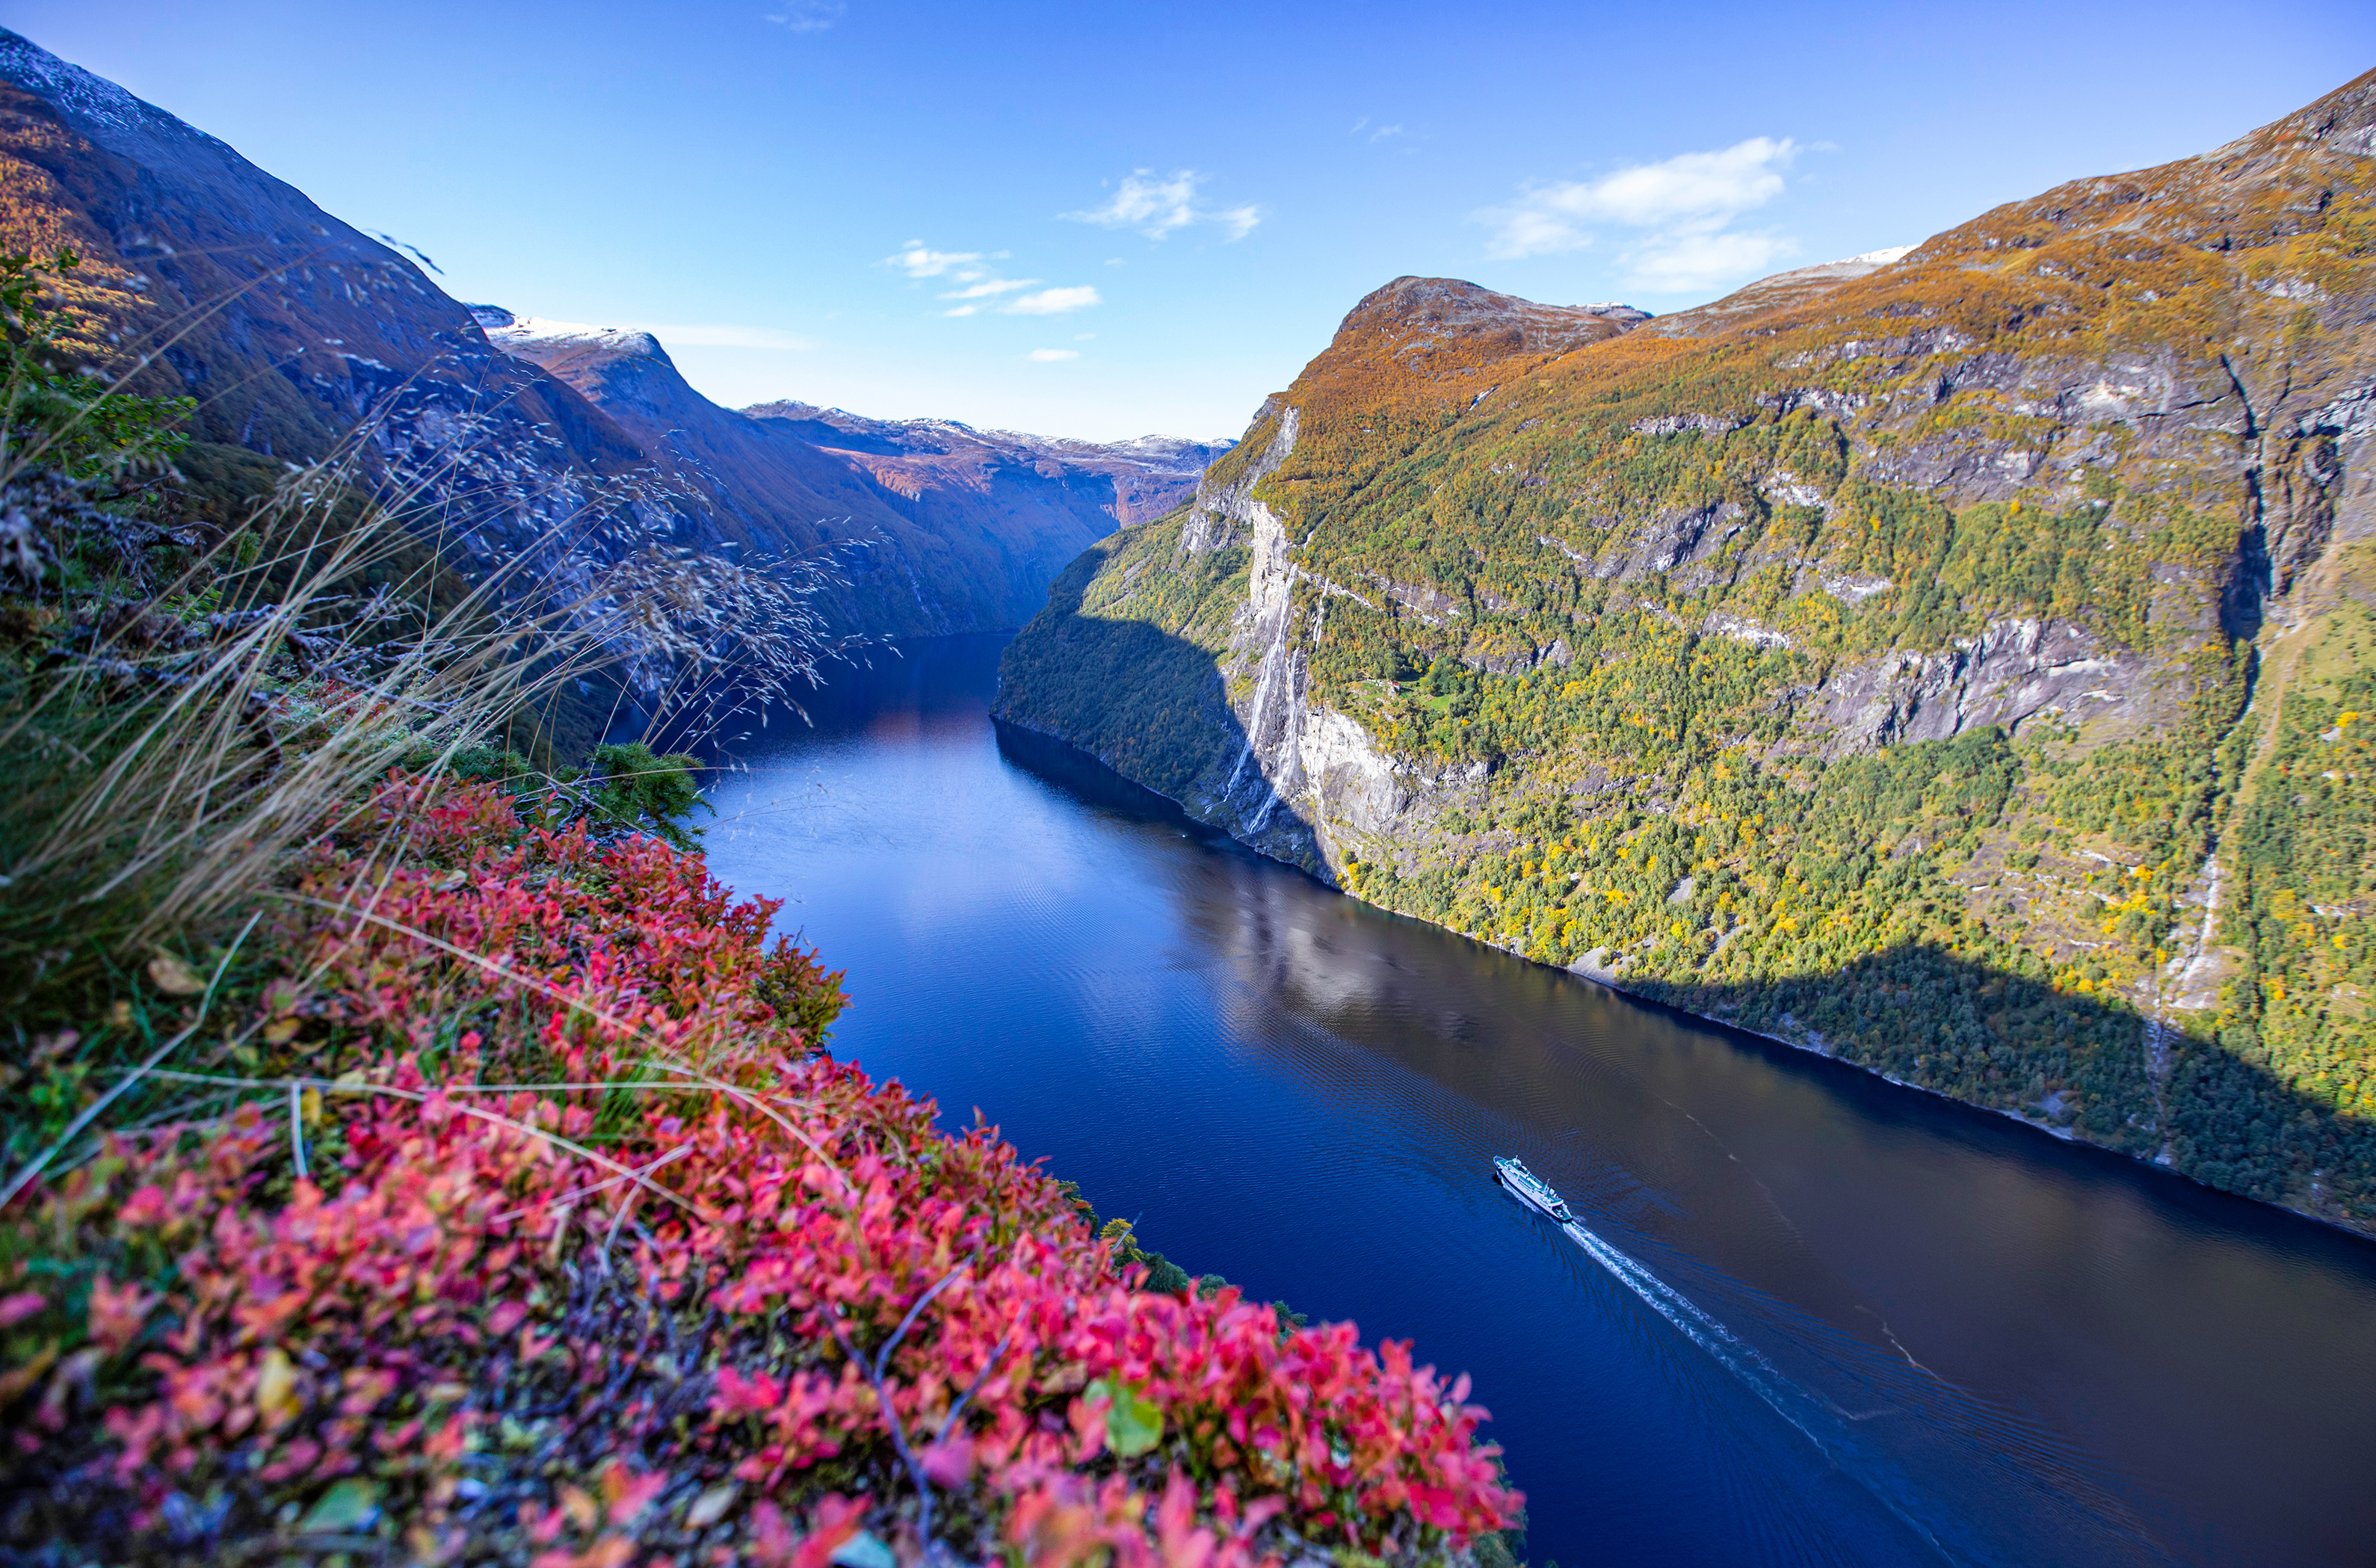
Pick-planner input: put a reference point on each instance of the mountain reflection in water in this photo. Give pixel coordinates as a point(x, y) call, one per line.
point(1807, 1317)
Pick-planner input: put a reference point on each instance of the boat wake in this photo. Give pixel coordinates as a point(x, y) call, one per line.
point(2025, 1497)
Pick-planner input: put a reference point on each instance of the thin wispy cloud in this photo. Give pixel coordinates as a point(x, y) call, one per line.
point(990, 287)
point(1053, 302)
point(1681, 211)
point(919, 260)
point(1050, 356)
point(1159, 206)
point(806, 16)
point(974, 282)
point(1377, 134)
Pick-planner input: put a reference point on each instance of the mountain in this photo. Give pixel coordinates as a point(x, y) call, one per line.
point(1959, 660)
point(1126, 481)
point(975, 526)
point(203, 275)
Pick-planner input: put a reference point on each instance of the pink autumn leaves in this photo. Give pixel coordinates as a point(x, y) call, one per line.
point(366, 1345)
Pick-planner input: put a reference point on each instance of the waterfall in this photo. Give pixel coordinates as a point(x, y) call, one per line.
point(1265, 682)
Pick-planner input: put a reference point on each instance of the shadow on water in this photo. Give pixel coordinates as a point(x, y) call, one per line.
point(1809, 1317)
point(1920, 1014)
point(1789, 1324)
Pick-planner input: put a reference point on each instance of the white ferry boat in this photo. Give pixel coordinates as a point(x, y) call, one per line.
point(1531, 1189)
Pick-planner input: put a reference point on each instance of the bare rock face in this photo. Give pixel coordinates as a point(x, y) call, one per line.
point(2013, 671)
point(1224, 509)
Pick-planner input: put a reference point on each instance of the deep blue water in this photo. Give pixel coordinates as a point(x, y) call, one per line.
point(1809, 1317)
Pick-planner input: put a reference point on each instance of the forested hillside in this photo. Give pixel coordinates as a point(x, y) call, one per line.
point(1953, 661)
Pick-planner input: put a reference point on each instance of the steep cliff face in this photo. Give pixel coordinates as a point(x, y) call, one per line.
point(1946, 658)
point(203, 276)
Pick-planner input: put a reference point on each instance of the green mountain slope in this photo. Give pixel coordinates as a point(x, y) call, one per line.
point(1954, 661)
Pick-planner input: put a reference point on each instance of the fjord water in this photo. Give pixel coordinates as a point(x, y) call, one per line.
point(1807, 1317)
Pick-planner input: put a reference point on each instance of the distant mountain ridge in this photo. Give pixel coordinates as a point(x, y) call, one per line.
point(1151, 474)
point(203, 275)
point(1958, 660)
point(982, 523)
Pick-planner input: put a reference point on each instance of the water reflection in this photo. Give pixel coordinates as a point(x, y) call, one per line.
point(1809, 1317)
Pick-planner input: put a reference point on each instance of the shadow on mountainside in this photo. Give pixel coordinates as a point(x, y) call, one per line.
point(1947, 1022)
point(1150, 705)
point(1980, 1022)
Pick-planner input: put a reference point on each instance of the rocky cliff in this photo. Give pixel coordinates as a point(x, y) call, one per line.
point(1953, 658)
point(202, 275)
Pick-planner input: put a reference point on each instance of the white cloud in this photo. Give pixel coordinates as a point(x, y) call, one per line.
point(1383, 132)
point(1052, 302)
point(1685, 205)
point(1050, 356)
point(919, 260)
point(1084, 336)
point(989, 287)
point(1158, 205)
point(969, 270)
point(808, 16)
point(1684, 262)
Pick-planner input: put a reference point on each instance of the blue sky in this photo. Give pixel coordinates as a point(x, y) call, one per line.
point(1110, 219)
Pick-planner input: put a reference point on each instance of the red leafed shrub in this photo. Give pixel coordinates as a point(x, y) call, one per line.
point(555, 1240)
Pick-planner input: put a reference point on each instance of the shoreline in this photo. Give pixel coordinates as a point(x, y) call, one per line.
point(2061, 1135)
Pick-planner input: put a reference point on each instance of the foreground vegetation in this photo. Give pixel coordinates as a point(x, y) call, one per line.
point(411, 1153)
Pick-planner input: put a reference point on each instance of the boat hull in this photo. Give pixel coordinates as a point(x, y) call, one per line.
point(1553, 1209)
